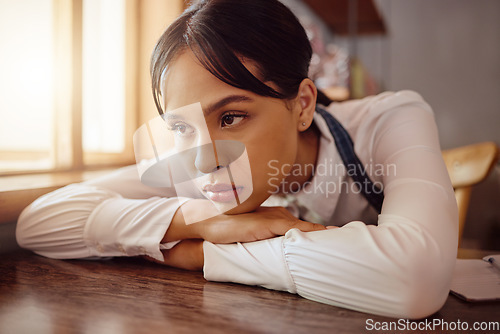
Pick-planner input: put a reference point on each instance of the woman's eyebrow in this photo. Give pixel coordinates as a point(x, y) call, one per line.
point(171, 116)
point(224, 101)
point(212, 107)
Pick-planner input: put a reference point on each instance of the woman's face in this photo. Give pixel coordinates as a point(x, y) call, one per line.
point(265, 126)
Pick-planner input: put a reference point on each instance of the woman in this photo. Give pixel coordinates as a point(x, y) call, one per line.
point(377, 174)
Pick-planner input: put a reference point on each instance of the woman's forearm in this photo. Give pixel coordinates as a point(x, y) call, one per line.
point(207, 224)
point(180, 229)
point(81, 221)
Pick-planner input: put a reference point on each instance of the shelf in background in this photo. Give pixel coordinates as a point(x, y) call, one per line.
point(335, 13)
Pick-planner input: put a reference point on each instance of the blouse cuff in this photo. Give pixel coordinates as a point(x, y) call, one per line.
point(252, 263)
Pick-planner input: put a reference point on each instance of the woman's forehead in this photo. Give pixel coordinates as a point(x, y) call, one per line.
point(186, 81)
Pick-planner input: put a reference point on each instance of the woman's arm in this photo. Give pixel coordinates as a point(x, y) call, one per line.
point(114, 215)
point(400, 268)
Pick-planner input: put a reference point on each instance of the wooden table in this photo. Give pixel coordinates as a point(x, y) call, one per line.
point(130, 295)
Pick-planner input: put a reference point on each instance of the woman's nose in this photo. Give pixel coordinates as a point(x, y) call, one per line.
point(217, 154)
point(206, 160)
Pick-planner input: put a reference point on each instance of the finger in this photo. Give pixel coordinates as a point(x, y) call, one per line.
point(307, 226)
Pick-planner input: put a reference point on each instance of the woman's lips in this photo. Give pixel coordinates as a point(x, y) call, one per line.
point(222, 192)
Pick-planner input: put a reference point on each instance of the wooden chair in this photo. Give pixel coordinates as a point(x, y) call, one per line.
point(467, 166)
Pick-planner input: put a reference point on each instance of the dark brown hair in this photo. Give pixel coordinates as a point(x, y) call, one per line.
point(222, 33)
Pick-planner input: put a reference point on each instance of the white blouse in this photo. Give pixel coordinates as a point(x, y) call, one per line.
point(396, 264)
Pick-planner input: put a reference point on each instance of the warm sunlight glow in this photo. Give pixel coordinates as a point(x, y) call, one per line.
point(103, 75)
point(26, 95)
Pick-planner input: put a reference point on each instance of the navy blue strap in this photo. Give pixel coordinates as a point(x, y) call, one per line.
point(373, 194)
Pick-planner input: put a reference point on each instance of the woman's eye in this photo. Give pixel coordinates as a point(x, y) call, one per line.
point(231, 120)
point(182, 129)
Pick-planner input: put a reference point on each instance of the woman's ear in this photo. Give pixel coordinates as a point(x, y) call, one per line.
point(306, 104)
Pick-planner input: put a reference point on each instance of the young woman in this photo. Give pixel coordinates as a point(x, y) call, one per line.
point(372, 167)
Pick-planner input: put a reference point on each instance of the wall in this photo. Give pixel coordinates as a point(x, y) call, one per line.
point(449, 51)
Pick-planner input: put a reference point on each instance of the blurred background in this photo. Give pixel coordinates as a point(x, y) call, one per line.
point(74, 77)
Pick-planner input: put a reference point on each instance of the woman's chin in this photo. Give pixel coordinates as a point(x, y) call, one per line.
point(249, 205)
point(239, 210)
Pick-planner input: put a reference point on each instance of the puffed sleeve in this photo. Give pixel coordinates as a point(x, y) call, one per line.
point(401, 267)
point(114, 215)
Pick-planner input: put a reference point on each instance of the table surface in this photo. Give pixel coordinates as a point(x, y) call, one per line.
point(131, 295)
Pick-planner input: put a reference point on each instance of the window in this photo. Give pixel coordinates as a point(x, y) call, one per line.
point(66, 85)
point(26, 106)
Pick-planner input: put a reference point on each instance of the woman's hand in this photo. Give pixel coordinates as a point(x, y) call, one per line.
point(263, 223)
